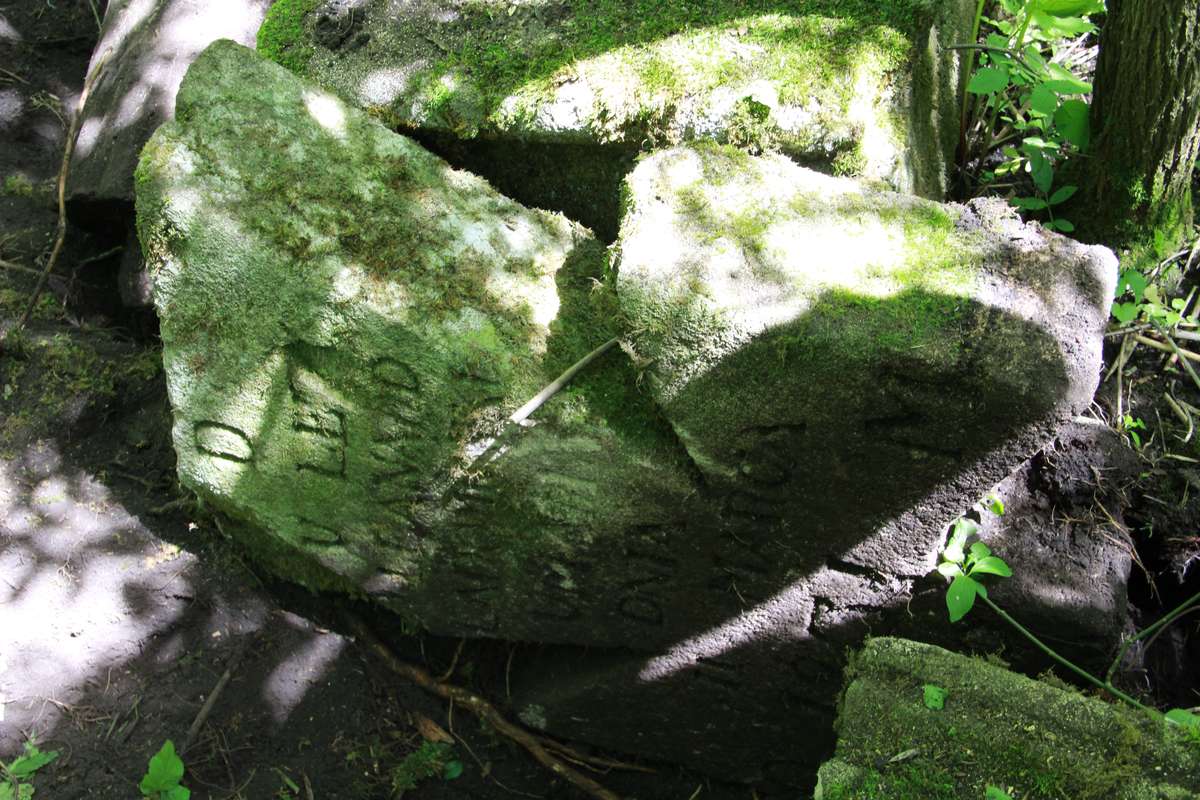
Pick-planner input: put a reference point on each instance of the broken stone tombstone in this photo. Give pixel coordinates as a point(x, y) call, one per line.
point(145, 47)
point(815, 377)
point(551, 101)
point(992, 727)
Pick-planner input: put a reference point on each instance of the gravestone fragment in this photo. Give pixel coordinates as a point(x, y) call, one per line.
point(994, 728)
point(814, 377)
point(551, 100)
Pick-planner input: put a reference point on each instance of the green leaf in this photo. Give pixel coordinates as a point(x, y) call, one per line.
point(935, 697)
point(177, 793)
point(31, 762)
point(1043, 100)
point(1132, 281)
point(992, 565)
point(994, 504)
point(1185, 719)
point(1061, 27)
point(1063, 194)
point(963, 529)
point(1070, 8)
point(997, 41)
point(1041, 170)
point(1072, 122)
point(1029, 203)
point(980, 550)
point(960, 597)
point(949, 569)
point(988, 80)
point(996, 793)
point(165, 772)
point(1060, 224)
point(452, 770)
point(1125, 312)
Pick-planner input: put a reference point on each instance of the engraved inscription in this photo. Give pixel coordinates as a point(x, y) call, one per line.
point(319, 423)
point(559, 596)
point(312, 532)
point(219, 440)
point(647, 571)
point(395, 374)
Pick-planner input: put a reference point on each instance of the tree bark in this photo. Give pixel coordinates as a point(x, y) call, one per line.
point(1146, 117)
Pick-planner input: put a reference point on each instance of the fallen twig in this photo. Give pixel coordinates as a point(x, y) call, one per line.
point(478, 706)
point(206, 709)
point(1166, 348)
point(1184, 356)
point(61, 236)
point(18, 268)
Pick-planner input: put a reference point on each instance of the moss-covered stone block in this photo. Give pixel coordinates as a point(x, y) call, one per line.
point(856, 86)
point(995, 727)
point(779, 311)
point(343, 314)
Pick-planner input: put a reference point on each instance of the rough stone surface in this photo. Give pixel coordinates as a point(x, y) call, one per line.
point(150, 44)
point(146, 46)
point(550, 97)
point(995, 727)
point(815, 378)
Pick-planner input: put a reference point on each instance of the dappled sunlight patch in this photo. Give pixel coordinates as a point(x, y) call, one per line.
point(327, 111)
point(293, 678)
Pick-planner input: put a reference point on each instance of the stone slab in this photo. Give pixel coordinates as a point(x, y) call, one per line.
point(149, 46)
point(514, 89)
point(995, 728)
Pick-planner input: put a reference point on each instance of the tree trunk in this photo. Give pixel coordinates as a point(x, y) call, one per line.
point(1146, 115)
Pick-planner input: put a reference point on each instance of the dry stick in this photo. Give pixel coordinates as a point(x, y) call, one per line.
point(207, 708)
point(18, 268)
point(1184, 355)
point(68, 151)
point(478, 706)
point(541, 397)
point(1157, 345)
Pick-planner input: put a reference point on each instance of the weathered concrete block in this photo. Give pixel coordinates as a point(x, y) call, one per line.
point(816, 377)
point(996, 727)
point(551, 100)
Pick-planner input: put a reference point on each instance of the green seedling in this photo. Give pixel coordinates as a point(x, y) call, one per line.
point(963, 563)
point(1028, 105)
point(17, 773)
point(430, 760)
point(161, 781)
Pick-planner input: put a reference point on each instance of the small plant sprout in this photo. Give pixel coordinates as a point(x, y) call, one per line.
point(964, 561)
point(16, 774)
point(964, 566)
point(161, 781)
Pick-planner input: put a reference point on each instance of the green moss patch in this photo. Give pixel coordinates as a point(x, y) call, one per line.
point(996, 728)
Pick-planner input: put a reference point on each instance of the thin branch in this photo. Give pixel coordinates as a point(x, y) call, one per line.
point(478, 706)
point(207, 708)
point(538, 400)
point(64, 170)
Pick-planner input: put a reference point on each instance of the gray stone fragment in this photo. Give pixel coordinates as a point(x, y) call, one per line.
point(994, 727)
point(551, 100)
point(150, 44)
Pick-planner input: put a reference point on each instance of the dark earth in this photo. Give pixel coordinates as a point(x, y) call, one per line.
point(122, 604)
